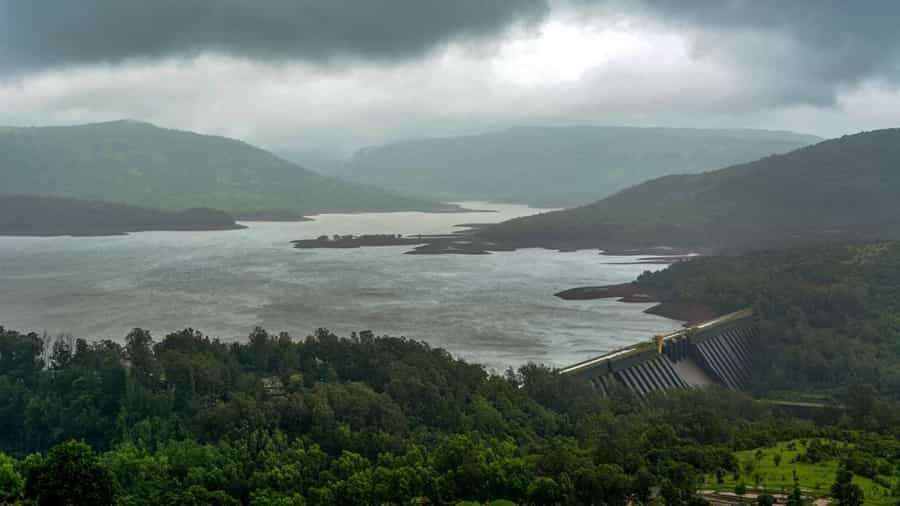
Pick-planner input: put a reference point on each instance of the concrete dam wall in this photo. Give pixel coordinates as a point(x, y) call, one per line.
point(714, 352)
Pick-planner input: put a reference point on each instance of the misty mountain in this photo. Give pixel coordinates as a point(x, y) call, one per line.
point(558, 166)
point(840, 189)
point(33, 215)
point(141, 164)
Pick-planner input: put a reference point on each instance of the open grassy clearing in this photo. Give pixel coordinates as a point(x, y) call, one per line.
point(760, 469)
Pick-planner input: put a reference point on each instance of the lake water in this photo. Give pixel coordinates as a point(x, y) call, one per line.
point(496, 309)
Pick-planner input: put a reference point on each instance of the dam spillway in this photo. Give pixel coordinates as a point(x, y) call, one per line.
point(717, 351)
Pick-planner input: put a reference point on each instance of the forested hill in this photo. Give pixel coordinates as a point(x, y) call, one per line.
point(840, 189)
point(45, 216)
point(559, 166)
point(828, 314)
point(141, 164)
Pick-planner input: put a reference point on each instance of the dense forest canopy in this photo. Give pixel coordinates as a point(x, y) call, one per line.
point(558, 166)
point(364, 420)
point(141, 164)
point(840, 189)
point(33, 215)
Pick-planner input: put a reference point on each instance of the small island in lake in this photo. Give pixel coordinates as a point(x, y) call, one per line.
point(356, 241)
point(460, 243)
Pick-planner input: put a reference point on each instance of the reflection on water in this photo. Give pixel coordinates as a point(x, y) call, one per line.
point(495, 309)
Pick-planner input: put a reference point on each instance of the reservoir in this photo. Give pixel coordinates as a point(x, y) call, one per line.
point(498, 309)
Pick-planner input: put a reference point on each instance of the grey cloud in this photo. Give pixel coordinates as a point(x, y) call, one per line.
point(813, 44)
point(46, 33)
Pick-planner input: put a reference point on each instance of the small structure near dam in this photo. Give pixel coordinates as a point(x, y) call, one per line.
point(713, 352)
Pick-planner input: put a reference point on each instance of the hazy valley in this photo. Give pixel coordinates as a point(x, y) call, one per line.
point(558, 166)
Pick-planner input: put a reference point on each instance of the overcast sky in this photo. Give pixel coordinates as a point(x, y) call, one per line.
point(321, 78)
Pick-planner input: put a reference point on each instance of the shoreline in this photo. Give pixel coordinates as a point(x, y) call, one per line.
point(114, 231)
point(466, 242)
point(633, 293)
point(454, 209)
point(292, 216)
point(466, 239)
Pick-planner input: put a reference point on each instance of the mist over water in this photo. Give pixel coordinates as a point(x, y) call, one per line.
point(495, 309)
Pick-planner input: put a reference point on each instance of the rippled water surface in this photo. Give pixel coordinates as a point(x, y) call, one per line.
point(496, 309)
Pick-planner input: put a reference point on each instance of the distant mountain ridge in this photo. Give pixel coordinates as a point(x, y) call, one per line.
point(558, 166)
point(838, 190)
point(31, 215)
point(138, 163)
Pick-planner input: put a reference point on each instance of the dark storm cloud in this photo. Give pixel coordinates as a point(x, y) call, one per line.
point(828, 42)
point(46, 33)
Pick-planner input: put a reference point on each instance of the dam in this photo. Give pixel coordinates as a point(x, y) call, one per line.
point(717, 351)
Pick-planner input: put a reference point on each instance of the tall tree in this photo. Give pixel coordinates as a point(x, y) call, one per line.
point(844, 490)
point(11, 482)
point(69, 475)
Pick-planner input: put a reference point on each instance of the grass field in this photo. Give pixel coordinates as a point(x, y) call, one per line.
point(758, 470)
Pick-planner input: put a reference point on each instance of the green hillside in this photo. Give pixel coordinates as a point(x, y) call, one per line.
point(840, 189)
point(31, 215)
point(138, 163)
point(558, 166)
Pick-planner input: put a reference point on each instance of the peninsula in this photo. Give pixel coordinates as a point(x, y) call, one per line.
point(30, 215)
